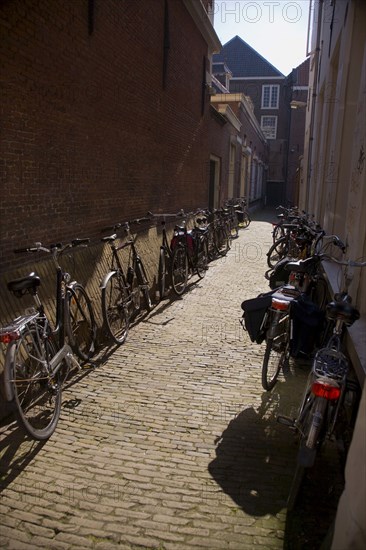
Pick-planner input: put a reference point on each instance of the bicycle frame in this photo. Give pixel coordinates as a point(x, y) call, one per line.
point(134, 270)
point(13, 332)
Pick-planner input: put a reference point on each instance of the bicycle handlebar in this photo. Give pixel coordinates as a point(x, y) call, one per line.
point(164, 215)
point(58, 248)
point(348, 263)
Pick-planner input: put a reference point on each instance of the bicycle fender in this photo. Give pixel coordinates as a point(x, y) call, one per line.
point(72, 284)
point(306, 457)
point(105, 281)
point(7, 387)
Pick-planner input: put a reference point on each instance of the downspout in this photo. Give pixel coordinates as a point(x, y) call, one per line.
point(314, 97)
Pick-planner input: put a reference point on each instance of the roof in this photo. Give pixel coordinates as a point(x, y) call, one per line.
point(244, 61)
point(300, 74)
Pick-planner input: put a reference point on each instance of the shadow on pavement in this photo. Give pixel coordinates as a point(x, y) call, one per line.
point(17, 450)
point(252, 459)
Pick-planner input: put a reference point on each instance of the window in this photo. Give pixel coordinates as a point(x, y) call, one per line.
point(270, 96)
point(269, 126)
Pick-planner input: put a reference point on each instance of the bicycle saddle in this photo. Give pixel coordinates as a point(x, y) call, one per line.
point(20, 286)
point(290, 226)
point(302, 266)
point(342, 310)
point(109, 239)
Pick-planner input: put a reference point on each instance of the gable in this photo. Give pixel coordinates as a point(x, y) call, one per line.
point(243, 61)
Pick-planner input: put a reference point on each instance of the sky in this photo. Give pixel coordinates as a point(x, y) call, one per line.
point(277, 29)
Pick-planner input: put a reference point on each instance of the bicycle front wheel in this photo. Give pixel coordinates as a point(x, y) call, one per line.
point(80, 322)
point(114, 309)
point(37, 392)
point(275, 357)
point(246, 220)
point(278, 232)
point(277, 251)
point(202, 259)
point(222, 241)
point(179, 270)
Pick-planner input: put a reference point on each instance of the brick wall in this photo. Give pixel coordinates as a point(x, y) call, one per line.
point(91, 134)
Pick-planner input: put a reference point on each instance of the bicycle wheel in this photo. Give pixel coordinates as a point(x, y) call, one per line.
point(317, 415)
point(144, 285)
point(80, 323)
point(179, 270)
point(222, 241)
point(246, 220)
point(278, 232)
point(114, 309)
point(202, 258)
point(310, 427)
point(275, 357)
point(211, 246)
point(277, 251)
point(295, 487)
point(234, 231)
point(37, 394)
point(320, 293)
point(162, 275)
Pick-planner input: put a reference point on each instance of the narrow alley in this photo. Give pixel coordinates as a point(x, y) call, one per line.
point(170, 442)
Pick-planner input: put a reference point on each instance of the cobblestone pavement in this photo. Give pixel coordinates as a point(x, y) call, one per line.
point(170, 442)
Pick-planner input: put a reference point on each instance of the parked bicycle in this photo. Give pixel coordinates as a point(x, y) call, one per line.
point(38, 358)
point(286, 215)
point(216, 231)
point(327, 385)
point(289, 318)
point(221, 231)
point(240, 213)
point(165, 254)
point(190, 255)
point(299, 241)
point(123, 286)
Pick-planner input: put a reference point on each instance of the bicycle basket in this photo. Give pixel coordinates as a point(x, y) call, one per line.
point(330, 363)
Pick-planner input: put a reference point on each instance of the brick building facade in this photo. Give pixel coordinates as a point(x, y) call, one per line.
point(105, 114)
point(243, 170)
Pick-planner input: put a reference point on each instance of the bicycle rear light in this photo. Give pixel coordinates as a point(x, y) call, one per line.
point(281, 305)
point(328, 391)
point(7, 337)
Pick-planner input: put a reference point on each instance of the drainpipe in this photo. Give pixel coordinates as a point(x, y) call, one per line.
point(314, 97)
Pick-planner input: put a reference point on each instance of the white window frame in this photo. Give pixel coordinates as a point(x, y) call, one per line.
point(271, 103)
point(265, 129)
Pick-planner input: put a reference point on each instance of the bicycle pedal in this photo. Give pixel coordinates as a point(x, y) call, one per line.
point(286, 421)
point(88, 365)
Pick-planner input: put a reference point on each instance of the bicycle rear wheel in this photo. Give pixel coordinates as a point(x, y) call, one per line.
point(179, 270)
point(37, 394)
point(114, 309)
point(80, 324)
point(275, 358)
point(144, 285)
point(310, 426)
point(162, 275)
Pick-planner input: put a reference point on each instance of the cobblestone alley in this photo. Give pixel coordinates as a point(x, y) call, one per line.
point(170, 442)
